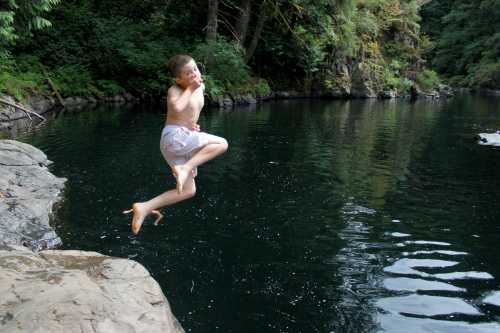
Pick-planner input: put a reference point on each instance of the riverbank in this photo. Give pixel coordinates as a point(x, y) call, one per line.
point(48, 290)
point(15, 120)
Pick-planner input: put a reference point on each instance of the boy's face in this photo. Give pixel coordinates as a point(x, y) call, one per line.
point(188, 73)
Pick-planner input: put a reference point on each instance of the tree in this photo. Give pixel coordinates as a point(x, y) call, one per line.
point(243, 20)
point(467, 40)
point(213, 7)
point(262, 18)
point(18, 18)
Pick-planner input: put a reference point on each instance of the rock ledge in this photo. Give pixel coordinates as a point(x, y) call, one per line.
point(76, 291)
point(63, 291)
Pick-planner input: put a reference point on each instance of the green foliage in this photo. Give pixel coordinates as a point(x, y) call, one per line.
point(18, 18)
point(213, 87)
point(224, 70)
point(223, 61)
point(262, 88)
point(457, 81)
point(104, 48)
point(427, 80)
point(485, 75)
point(21, 78)
point(74, 80)
point(109, 88)
point(7, 31)
point(400, 83)
point(466, 40)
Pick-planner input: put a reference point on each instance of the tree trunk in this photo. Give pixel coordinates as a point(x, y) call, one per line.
point(213, 7)
point(244, 19)
point(258, 30)
point(167, 4)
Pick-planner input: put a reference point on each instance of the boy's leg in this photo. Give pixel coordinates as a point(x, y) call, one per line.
point(215, 146)
point(143, 209)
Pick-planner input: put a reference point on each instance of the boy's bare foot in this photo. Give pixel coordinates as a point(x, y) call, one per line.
point(139, 214)
point(159, 215)
point(181, 174)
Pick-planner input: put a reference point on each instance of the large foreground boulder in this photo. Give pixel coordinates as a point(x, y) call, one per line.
point(76, 291)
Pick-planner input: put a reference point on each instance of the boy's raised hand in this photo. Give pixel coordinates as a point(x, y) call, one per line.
point(195, 83)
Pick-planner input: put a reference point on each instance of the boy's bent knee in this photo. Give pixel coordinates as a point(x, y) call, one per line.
point(190, 192)
point(224, 144)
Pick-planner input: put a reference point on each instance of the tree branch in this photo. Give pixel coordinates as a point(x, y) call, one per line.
point(28, 112)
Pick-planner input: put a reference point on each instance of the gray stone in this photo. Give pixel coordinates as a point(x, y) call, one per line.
point(225, 101)
point(490, 92)
point(288, 94)
point(337, 92)
point(76, 291)
point(445, 90)
point(27, 193)
point(388, 94)
point(10, 113)
point(237, 98)
point(118, 99)
point(489, 139)
point(40, 104)
point(128, 97)
point(362, 84)
point(433, 94)
point(91, 100)
point(249, 99)
point(70, 101)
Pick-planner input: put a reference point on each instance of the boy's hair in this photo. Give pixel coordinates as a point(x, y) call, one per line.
point(176, 63)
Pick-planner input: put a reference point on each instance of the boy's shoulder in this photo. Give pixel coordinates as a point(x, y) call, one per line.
point(173, 89)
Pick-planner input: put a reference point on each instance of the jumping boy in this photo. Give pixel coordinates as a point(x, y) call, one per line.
point(182, 144)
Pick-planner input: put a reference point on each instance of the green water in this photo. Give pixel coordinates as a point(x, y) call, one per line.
point(323, 216)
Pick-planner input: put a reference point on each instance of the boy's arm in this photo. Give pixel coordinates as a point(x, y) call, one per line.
point(178, 99)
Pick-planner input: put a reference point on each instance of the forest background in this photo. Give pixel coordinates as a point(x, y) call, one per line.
point(356, 48)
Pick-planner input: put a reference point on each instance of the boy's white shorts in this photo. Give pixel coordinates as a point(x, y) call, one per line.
point(178, 144)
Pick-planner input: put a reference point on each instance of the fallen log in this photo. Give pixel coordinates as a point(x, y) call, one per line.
point(28, 112)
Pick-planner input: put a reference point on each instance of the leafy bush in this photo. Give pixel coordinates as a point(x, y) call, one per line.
point(109, 88)
point(427, 79)
point(401, 84)
point(255, 86)
point(485, 75)
point(74, 81)
point(7, 62)
point(21, 78)
point(393, 77)
point(17, 85)
point(262, 88)
point(457, 81)
point(223, 61)
point(213, 87)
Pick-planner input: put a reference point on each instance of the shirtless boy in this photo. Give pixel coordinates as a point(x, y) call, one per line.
point(182, 144)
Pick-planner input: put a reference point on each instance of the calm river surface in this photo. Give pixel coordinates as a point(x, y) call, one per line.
point(323, 216)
